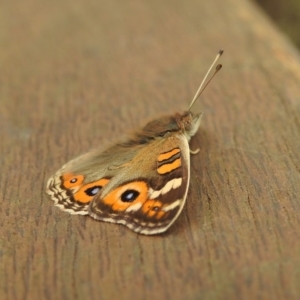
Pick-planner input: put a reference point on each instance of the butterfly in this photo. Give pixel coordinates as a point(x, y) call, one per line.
point(141, 182)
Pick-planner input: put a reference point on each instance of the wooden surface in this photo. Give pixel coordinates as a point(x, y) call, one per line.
point(78, 74)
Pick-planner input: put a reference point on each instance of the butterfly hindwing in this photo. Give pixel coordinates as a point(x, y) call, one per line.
point(148, 194)
point(74, 186)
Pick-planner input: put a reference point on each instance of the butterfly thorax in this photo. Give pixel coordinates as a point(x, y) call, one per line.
point(186, 123)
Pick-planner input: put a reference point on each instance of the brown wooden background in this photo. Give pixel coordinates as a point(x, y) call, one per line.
point(286, 15)
point(77, 74)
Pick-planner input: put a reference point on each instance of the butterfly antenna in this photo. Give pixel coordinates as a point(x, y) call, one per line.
point(200, 89)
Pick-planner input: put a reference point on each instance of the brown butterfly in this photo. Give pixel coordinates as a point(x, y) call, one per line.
point(141, 182)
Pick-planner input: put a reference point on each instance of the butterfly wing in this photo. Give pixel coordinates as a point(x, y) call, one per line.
point(148, 194)
point(75, 185)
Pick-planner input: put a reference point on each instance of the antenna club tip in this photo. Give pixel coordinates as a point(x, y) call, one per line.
point(219, 67)
point(221, 51)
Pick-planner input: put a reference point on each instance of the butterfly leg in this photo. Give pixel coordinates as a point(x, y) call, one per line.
point(194, 151)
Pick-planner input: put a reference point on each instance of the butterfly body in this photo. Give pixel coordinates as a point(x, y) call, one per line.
point(141, 182)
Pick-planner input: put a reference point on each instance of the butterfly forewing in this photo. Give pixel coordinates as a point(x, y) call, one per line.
point(148, 194)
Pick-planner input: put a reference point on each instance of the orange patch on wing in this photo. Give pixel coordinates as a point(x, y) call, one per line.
point(113, 199)
point(166, 168)
point(160, 214)
point(167, 155)
point(70, 180)
point(149, 205)
point(152, 208)
point(82, 196)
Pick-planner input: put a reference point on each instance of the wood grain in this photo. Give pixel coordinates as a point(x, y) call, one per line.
point(78, 74)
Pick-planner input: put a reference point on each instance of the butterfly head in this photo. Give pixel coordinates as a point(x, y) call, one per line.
point(189, 123)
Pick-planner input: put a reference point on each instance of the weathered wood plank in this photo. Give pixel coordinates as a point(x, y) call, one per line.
point(75, 74)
